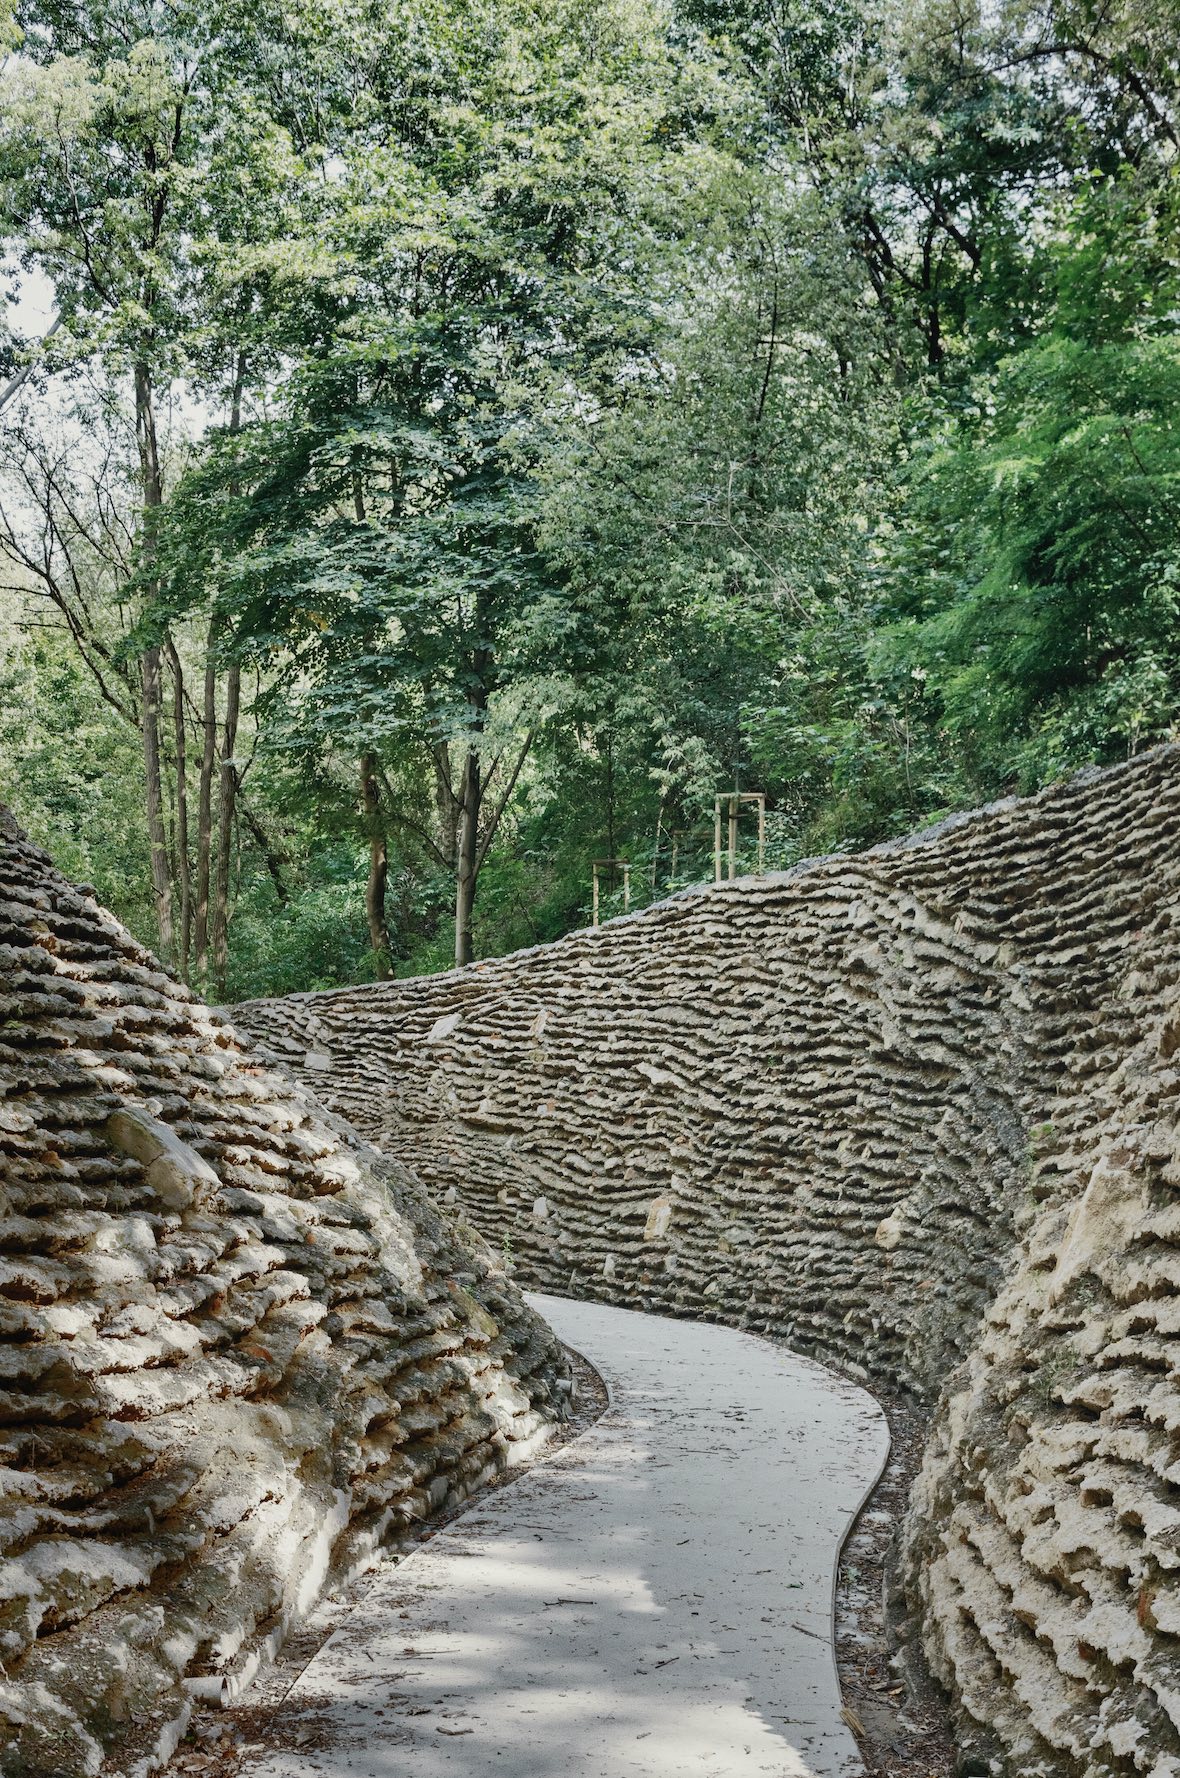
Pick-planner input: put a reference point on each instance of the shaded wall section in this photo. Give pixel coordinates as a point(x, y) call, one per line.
point(912, 1110)
point(240, 1351)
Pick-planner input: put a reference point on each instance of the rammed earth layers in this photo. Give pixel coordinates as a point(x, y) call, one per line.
point(913, 1110)
point(240, 1350)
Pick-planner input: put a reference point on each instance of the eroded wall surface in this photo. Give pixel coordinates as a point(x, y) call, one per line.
point(913, 1110)
point(240, 1351)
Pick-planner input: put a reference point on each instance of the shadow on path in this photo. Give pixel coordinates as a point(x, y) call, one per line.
point(653, 1602)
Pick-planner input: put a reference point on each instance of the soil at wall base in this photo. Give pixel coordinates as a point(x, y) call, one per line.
point(898, 1713)
point(900, 1735)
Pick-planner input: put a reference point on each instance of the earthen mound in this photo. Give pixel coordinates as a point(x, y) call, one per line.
point(241, 1351)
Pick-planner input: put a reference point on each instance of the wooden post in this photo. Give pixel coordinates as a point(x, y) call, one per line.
point(623, 864)
point(735, 798)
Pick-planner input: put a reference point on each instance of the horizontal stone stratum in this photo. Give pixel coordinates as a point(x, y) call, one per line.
point(915, 1111)
point(240, 1350)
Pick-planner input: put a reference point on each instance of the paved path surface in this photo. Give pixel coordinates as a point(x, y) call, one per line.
point(653, 1602)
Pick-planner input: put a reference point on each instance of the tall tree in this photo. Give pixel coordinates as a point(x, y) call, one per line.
point(124, 187)
point(467, 281)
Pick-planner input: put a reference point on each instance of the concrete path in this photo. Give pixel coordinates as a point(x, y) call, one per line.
point(653, 1602)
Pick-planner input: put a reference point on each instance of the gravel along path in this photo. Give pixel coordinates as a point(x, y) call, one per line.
point(654, 1601)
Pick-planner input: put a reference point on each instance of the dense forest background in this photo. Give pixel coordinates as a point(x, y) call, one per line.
point(441, 444)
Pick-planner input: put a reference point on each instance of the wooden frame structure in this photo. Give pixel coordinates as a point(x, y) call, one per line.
point(735, 798)
point(623, 864)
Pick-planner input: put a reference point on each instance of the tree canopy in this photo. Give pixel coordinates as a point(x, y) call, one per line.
point(458, 440)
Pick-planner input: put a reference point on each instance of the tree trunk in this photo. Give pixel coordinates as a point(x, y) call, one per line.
point(154, 802)
point(270, 852)
point(228, 790)
point(184, 880)
point(205, 805)
point(446, 804)
point(153, 494)
point(228, 783)
point(610, 795)
point(378, 868)
point(473, 847)
point(467, 863)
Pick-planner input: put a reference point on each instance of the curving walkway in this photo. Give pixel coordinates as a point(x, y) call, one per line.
point(653, 1602)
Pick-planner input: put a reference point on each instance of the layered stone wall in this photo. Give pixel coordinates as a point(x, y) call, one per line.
point(913, 1110)
point(240, 1351)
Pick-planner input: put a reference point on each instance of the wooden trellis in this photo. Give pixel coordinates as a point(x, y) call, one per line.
point(734, 799)
point(613, 864)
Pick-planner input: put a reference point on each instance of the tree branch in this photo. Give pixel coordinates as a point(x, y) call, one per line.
point(494, 823)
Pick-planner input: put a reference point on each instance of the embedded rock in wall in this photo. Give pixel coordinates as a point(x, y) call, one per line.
point(912, 1110)
point(240, 1350)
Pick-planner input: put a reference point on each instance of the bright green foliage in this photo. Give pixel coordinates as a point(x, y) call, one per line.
point(635, 399)
point(1044, 530)
point(69, 771)
point(481, 276)
point(723, 519)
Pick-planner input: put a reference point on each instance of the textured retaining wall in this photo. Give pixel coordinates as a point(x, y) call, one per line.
point(869, 1106)
point(1043, 1538)
point(239, 1350)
